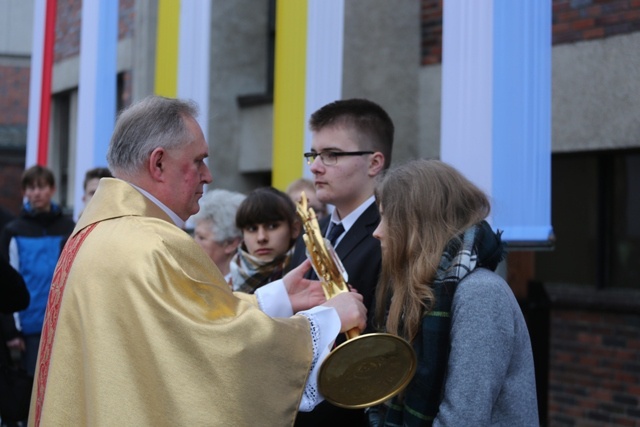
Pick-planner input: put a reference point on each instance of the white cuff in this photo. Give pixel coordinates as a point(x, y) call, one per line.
point(325, 326)
point(273, 299)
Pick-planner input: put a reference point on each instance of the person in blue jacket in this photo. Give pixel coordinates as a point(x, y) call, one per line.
point(32, 244)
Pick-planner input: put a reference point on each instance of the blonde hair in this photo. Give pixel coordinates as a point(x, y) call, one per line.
point(300, 184)
point(425, 204)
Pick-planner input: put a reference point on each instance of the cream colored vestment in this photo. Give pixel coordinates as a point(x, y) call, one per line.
point(142, 330)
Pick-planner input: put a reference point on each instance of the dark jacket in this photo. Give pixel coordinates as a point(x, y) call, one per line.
point(14, 295)
point(361, 256)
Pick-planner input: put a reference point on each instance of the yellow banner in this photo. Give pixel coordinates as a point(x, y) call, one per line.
point(289, 91)
point(166, 75)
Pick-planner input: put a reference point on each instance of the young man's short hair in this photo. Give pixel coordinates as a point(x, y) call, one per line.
point(37, 176)
point(96, 173)
point(368, 118)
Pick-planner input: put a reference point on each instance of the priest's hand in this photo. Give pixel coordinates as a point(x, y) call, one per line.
point(352, 312)
point(303, 293)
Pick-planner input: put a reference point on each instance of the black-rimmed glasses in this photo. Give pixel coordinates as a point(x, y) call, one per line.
point(330, 158)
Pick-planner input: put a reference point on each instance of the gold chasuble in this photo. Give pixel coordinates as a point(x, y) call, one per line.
point(142, 330)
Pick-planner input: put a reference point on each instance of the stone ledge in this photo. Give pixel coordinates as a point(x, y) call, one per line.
point(590, 298)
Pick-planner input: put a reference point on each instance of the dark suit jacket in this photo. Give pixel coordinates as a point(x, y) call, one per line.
point(361, 256)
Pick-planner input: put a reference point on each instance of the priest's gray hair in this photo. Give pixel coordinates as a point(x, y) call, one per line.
point(146, 125)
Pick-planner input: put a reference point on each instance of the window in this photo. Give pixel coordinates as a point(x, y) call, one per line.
point(60, 145)
point(596, 219)
point(624, 221)
point(265, 97)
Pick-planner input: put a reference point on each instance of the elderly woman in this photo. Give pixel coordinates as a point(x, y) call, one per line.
point(215, 227)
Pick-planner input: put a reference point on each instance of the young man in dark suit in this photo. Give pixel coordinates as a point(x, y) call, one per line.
point(351, 148)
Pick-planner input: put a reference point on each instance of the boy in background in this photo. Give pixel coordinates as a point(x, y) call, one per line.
point(32, 244)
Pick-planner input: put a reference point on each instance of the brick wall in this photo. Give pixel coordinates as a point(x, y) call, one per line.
point(594, 368)
point(126, 18)
point(14, 95)
point(68, 25)
point(572, 21)
point(10, 193)
point(431, 31)
point(579, 20)
point(14, 99)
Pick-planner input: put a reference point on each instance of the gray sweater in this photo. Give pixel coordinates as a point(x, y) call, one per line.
point(490, 377)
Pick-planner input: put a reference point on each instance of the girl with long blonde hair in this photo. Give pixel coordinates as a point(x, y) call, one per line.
point(438, 290)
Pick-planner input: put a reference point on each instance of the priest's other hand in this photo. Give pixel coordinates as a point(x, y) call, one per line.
point(303, 293)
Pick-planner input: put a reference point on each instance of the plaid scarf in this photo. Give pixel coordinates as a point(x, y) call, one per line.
point(248, 273)
point(418, 405)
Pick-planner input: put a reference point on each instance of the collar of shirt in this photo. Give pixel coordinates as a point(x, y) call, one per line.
point(349, 220)
point(175, 218)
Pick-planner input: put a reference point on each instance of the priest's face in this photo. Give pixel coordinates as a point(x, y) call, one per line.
point(187, 173)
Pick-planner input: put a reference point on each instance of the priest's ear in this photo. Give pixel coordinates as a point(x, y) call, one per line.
point(157, 163)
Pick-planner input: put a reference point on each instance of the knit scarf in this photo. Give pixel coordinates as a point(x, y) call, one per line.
point(418, 405)
point(248, 273)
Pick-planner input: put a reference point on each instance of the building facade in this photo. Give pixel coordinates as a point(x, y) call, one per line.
point(581, 299)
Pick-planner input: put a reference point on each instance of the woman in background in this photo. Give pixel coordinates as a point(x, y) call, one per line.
point(215, 227)
point(269, 225)
point(438, 290)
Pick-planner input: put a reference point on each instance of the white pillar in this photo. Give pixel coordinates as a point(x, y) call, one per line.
point(325, 41)
point(496, 109)
point(97, 90)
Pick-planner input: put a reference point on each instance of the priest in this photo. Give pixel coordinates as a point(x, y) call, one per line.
point(142, 329)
